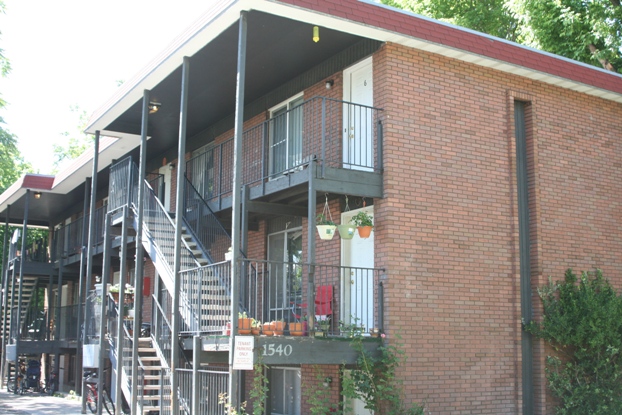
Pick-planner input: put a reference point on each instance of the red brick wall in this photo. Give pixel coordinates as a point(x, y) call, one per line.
point(447, 229)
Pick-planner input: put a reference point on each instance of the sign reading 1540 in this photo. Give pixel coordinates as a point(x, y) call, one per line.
point(271, 349)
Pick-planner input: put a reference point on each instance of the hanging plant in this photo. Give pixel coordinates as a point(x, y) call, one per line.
point(364, 223)
point(346, 230)
point(324, 223)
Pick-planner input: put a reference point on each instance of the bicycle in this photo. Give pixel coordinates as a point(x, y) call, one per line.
point(92, 395)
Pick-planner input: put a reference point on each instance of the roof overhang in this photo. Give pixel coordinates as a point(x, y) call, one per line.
point(368, 19)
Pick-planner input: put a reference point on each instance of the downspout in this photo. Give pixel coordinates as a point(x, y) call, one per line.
point(78, 374)
point(234, 379)
point(179, 205)
point(139, 269)
point(21, 274)
point(311, 206)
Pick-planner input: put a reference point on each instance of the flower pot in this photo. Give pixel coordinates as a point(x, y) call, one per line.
point(244, 325)
point(115, 297)
point(278, 327)
point(267, 329)
point(297, 329)
point(364, 231)
point(374, 332)
point(346, 231)
point(256, 331)
point(326, 231)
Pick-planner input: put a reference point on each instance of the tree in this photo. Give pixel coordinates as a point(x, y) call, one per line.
point(77, 142)
point(589, 31)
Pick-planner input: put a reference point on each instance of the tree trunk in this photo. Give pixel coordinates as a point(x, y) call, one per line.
point(604, 62)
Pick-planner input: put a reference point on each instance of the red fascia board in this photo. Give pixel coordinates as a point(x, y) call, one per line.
point(466, 40)
point(27, 181)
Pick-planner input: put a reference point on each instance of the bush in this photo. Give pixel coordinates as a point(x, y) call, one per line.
point(583, 323)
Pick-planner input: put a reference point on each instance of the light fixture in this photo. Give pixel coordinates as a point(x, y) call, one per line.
point(316, 34)
point(37, 195)
point(154, 107)
point(329, 84)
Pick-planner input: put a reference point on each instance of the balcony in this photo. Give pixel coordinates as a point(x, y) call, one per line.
point(333, 303)
point(340, 141)
point(69, 239)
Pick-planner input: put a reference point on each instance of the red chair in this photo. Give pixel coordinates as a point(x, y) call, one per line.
point(323, 304)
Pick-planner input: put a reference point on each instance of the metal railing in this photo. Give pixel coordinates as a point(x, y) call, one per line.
point(35, 324)
point(332, 132)
point(69, 321)
point(36, 250)
point(121, 190)
point(344, 298)
point(161, 329)
point(212, 237)
point(67, 240)
point(210, 384)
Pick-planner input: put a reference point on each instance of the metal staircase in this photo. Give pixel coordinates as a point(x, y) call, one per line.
point(28, 289)
point(204, 301)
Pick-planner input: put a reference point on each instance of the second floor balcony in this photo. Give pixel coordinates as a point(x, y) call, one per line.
point(340, 141)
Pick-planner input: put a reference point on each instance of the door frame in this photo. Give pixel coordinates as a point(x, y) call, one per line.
point(347, 97)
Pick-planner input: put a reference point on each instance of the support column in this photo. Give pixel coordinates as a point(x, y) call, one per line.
point(311, 206)
point(89, 262)
point(21, 274)
point(179, 206)
point(81, 285)
point(5, 296)
point(140, 265)
point(102, 327)
point(120, 327)
point(234, 378)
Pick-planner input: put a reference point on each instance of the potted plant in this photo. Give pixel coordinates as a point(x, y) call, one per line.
point(244, 323)
point(129, 293)
point(274, 328)
point(256, 327)
point(298, 328)
point(364, 223)
point(325, 227)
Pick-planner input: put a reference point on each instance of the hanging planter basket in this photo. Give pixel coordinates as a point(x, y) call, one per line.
point(346, 231)
point(326, 231)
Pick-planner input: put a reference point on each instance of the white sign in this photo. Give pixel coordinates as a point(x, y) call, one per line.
point(243, 355)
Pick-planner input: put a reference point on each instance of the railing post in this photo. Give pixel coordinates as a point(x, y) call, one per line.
point(381, 306)
point(220, 178)
point(196, 358)
point(323, 136)
point(380, 138)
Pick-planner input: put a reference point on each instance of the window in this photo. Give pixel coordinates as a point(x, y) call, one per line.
point(285, 391)
point(286, 121)
point(201, 171)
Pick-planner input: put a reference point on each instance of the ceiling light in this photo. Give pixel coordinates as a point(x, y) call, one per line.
point(154, 107)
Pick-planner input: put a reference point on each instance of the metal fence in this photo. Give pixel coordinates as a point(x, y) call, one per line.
point(209, 385)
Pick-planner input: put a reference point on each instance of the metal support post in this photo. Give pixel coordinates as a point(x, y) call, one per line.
point(120, 314)
point(234, 379)
point(81, 283)
point(196, 359)
point(21, 274)
point(104, 310)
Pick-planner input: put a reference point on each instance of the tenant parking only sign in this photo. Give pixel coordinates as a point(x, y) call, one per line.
point(243, 356)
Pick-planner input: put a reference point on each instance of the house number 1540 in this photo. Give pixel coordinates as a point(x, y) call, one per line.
point(277, 349)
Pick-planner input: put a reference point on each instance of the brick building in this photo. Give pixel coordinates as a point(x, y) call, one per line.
point(487, 166)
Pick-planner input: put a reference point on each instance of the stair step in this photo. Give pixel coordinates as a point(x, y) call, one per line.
point(149, 358)
point(150, 388)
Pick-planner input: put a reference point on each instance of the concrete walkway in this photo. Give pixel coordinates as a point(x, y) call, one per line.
point(37, 404)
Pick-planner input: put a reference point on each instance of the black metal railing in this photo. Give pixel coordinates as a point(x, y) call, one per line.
point(69, 321)
point(67, 240)
point(212, 237)
point(344, 298)
point(161, 329)
point(332, 132)
point(210, 384)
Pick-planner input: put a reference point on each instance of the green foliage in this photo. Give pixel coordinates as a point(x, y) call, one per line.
point(317, 396)
point(587, 31)
point(77, 142)
point(259, 394)
point(583, 323)
point(362, 219)
point(12, 164)
point(375, 383)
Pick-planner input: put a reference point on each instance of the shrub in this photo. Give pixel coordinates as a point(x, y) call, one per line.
point(583, 323)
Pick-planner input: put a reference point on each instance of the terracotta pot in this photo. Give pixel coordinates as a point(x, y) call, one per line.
point(364, 231)
point(276, 327)
point(256, 331)
point(245, 325)
point(267, 329)
point(115, 297)
point(297, 329)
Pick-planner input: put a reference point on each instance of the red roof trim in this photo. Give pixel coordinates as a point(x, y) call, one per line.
point(463, 39)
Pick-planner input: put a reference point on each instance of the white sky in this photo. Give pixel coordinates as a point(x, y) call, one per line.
point(72, 52)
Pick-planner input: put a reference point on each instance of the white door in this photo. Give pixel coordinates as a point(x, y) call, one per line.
point(165, 192)
point(358, 127)
point(355, 406)
point(358, 284)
